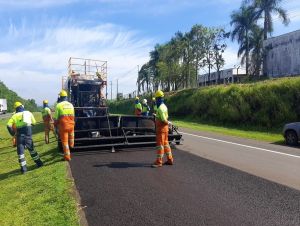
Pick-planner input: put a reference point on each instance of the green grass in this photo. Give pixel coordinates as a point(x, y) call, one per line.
point(261, 134)
point(43, 196)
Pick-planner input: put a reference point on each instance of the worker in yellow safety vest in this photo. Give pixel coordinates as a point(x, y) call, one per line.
point(162, 131)
point(23, 121)
point(145, 108)
point(48, 121)
point(137, 107)
point(64, 120)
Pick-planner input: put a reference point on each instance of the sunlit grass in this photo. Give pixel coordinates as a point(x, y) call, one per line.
point(42, 196)
point(244, 132)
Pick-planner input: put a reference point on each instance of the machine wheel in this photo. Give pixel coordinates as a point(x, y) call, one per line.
point(291, 138)
point(177, 142)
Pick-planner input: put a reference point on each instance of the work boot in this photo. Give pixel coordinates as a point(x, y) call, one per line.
point(156, 165)
point(169, 162)
point(39, 163)
point(67, 158)
point(23, 169)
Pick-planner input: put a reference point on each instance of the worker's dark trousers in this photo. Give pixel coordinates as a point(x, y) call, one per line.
point(24, 140)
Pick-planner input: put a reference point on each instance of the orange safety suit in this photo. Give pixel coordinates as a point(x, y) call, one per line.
point(64, 120)
point(48, 123)
point(162, 131)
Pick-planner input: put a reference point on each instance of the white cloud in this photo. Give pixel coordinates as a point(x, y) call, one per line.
point(29, 4)
point(35, 70)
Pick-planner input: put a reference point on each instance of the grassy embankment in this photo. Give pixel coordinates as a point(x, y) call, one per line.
point(43, 195)
point(253, 110)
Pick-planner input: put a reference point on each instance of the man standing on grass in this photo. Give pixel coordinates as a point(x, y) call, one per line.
point(162, 132)
point(64, 120)
point(23, 120)
point(48, 121)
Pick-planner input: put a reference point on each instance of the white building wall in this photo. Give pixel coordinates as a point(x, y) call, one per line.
point(283, 55)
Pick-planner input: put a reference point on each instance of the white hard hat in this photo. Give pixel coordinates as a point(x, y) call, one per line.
point(144, 101)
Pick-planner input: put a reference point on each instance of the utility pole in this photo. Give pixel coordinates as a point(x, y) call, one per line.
point(117, 89)
point(106, 94)
point(138, 80)
point(111, 90)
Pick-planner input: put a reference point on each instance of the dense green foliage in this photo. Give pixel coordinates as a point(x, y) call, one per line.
point(176, 64)
point(12, 97)
point(270, 103)
point(42, 196)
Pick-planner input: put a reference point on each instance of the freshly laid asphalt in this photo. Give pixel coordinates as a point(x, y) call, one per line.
point(122, 189)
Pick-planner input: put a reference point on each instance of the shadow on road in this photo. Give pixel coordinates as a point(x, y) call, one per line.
point(123, 165)
point(281, 143)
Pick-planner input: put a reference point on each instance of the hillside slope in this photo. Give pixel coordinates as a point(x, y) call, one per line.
point(12, 97)
point(270, 103)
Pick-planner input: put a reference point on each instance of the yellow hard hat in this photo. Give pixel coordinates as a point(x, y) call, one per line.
point(137, 98)
point(63, 93)
point(17, 104)
point(45, 102)
point(153, 98)
point(159, 93)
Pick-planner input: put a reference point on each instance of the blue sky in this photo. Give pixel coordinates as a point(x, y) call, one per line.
point(38, 37)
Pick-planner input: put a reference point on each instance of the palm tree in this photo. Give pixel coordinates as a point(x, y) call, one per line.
point(256, 46)
point(265, 9)
point(255, 49)
point(242, 22)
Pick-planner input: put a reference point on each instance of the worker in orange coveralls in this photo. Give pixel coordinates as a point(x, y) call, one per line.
point(162, 131)
point(137, 107)
point(64, 120)
point(48, 121)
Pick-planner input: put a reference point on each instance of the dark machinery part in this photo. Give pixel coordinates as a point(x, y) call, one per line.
point(94, 127)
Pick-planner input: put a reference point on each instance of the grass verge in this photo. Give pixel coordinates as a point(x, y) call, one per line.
point(261, 134)
point(43, 195)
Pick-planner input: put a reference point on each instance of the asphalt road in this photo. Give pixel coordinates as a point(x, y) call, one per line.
point(122, 189)
point(277, 163)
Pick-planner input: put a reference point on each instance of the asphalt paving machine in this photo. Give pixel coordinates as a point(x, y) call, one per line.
point(95, 128)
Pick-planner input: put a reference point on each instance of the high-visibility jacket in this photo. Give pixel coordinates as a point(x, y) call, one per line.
point(64, 114)
point(138, 108)
point(21, 120)
point(161, 118)
point(162, 113)
point(145, 108)
point(46, 113)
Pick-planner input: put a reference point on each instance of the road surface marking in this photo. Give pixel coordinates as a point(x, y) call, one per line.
point(242, 145)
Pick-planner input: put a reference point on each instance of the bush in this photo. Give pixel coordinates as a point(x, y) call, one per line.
point(269, 103)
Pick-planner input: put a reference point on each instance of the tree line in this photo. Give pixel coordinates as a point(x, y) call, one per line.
point(175, 65)
point(12, 97)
